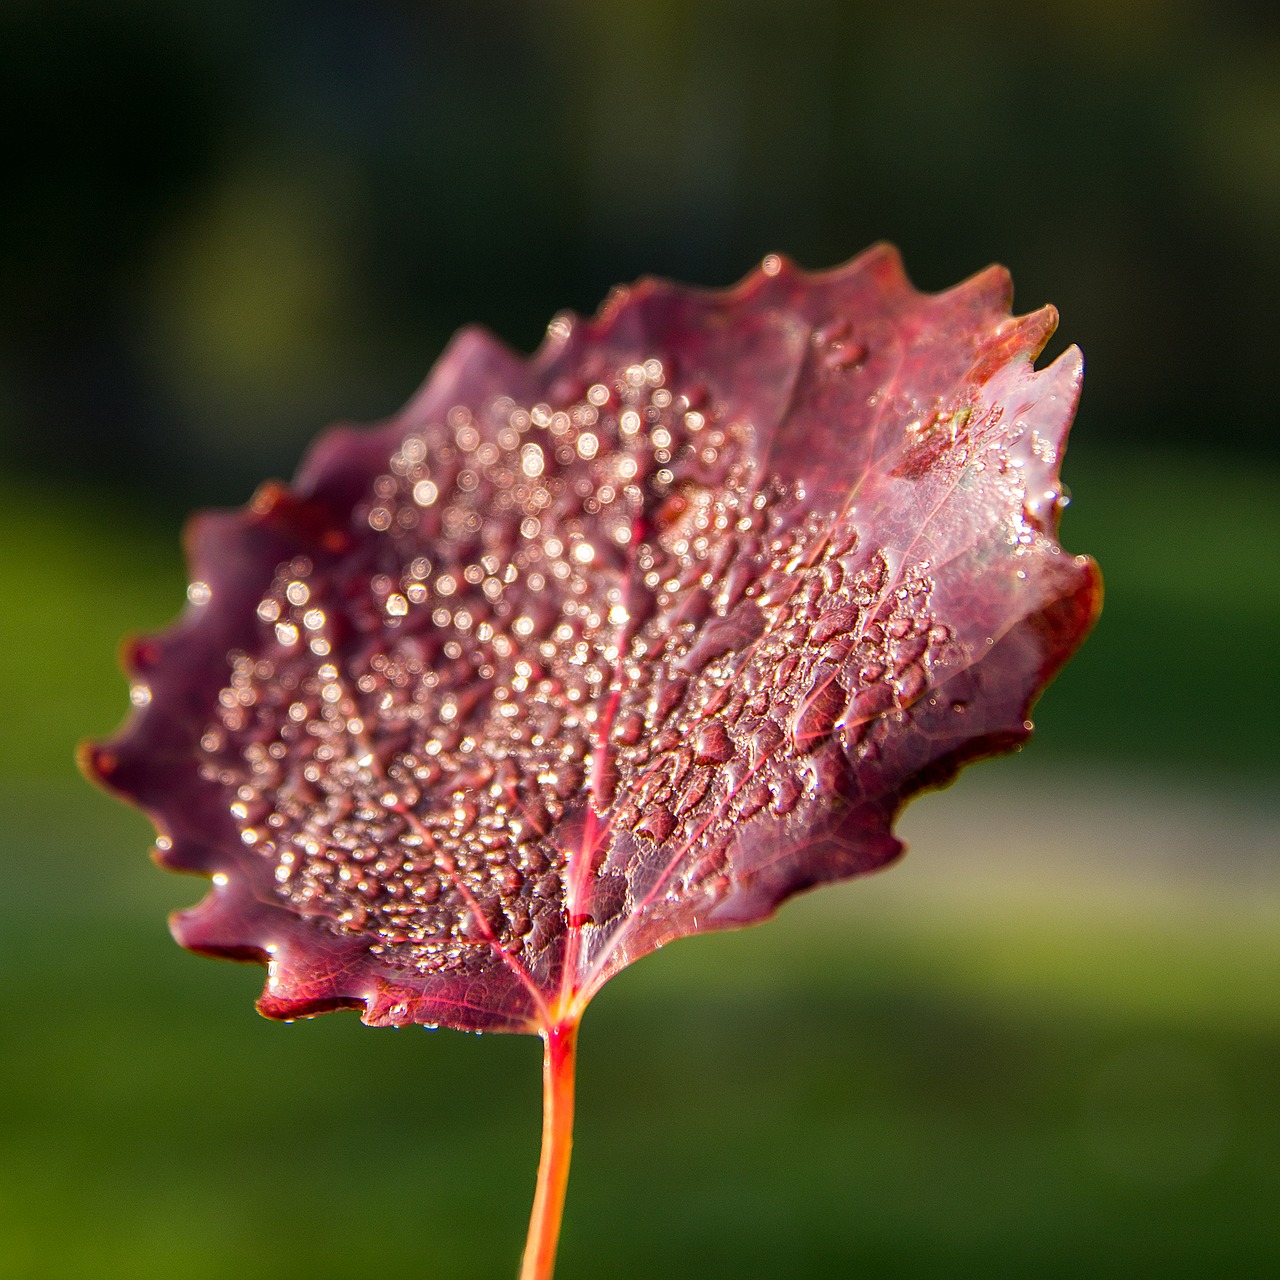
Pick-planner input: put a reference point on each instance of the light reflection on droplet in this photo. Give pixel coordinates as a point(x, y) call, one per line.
point(532, 461)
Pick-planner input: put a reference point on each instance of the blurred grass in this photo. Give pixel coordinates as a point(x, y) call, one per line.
point(863, 1087)
point(857, 1088)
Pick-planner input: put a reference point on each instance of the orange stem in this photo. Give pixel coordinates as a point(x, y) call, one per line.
point(559, 1058)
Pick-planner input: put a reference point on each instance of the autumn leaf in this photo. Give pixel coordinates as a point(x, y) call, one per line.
point(630, 640)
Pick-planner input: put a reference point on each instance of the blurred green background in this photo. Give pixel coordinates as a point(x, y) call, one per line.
point(1049, 1043)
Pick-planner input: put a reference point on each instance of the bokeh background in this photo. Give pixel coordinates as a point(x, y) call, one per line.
point(1049, 1043)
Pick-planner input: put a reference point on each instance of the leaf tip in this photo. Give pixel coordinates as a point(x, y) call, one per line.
point(882, 260)
point(96, 762)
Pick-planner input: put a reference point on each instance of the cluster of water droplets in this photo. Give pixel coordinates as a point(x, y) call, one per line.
point(782, 664)
point(573, 649)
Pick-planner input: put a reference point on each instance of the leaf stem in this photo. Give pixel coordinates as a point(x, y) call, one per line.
point(559, 1059)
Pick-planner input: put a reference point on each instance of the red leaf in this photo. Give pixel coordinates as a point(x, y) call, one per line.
point(630, 640)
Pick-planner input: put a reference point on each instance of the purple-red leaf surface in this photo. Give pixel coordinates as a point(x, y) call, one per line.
point(633, 639)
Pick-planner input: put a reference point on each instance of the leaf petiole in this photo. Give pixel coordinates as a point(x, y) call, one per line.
point(559, 1060)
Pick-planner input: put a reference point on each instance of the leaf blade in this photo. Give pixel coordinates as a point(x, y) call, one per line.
point(632, 639)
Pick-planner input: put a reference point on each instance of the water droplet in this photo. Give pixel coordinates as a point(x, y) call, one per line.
point(713, 744)
point(818, 713)
point(629, 728)
point(786, 793)
point(870, 702)
point(785, 669)
point(671, 695)
point(657, 824)
point(911, 684)
point(694, 791)
point(532, 461)
point(909, 649)
point(757, 796)
point(767, 738)
point(835, 622)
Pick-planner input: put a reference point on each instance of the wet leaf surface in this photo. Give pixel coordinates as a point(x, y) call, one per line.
point(629, 640)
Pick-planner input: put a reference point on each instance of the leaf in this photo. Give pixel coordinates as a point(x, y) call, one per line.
point(630, 640)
